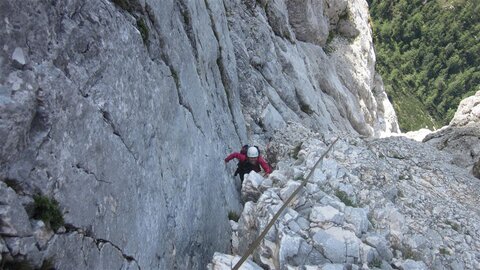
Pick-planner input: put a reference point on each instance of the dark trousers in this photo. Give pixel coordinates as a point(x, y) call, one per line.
point(246, 167)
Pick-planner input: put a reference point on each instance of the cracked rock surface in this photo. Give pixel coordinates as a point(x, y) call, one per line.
point(122, 111)
point(462, 137)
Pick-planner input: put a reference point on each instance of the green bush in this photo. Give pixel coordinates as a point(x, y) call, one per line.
point(444, 251)
point(142, 27)
point(343, 196)
point(232, 215)
point(48, 211)
point(123, 4)
point(375, 263)
point(306, 108)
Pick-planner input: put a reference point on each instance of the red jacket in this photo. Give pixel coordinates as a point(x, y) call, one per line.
point(242, 158)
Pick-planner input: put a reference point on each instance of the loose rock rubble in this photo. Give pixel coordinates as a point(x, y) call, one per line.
point(390, 203)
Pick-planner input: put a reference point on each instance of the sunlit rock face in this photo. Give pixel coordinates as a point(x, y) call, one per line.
point(370, 203)
point(317, 67)
point(123, 111)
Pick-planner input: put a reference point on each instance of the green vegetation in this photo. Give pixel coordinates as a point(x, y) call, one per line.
point(343, 196)
point(428, 53)
point(306, 108)
point(331, 36)
point(47, 210)
point(453, 225)
point(328, 48)
point(124, 4)
point(175, 77)
point(25, 265)
point(142, 27)
point(375, 263)
point(299, 177)
point(444, 251)
point(48, 265)
point(296, 150)
point(134, 8)
point(409, 253)
point(16, 265)
point(232, 215)
point(372, 221)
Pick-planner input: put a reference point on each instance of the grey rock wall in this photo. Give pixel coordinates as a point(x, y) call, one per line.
point(127, 139)
point(461, 138)
point(328, 86)
point(123, 111)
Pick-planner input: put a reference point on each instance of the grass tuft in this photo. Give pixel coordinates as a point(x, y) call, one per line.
point(232, 215)
point(306, 108)
point(375, 263)
point(296, 150)
point(143, 28)
point(444, 251)
point(47, 210)
point(343, 196)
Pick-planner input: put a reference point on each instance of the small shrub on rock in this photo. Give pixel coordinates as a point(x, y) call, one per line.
point(48, 211)
point(444, 251)
point(343, 196)
point(233, 216)
point(375, 263)
point(142, 27)
point(476, 169)
point(296, 150)
point(123, 4)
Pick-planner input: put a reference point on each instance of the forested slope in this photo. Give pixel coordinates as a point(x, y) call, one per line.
point(428, 53)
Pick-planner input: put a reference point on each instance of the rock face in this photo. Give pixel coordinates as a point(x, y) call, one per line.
point(462, 137)
point(468, 112)
point(123, 110)
point(329, 88)
point(371, 203)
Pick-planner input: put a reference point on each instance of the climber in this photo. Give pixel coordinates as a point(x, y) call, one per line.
point(249, 159)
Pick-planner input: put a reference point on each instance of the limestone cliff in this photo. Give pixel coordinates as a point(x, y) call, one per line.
point(123, 110)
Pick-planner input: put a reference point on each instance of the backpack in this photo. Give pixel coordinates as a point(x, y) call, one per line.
point(244, 149)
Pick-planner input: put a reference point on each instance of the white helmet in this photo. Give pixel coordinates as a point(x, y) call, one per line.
point(252, 151)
